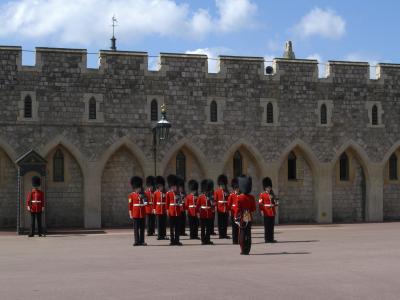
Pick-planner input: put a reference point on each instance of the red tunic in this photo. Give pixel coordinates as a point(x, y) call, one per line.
point(35, 201)
point(232, 203)
point(246, 202)
point(266, 205)
point(190, 204)
point(137, 206)
point(173, 205)
point(220, 196)
point(205, 207)
point(150, 202)
point(159, 202)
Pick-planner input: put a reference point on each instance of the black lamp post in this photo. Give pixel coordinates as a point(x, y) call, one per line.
point(160, 134)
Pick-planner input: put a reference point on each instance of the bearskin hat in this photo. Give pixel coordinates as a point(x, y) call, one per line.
point(204, 184)
point(172, 180)
point(150, 181)
point(266, 182)
point(234, 183)
point(136, 182)
point(210, 185)
point(160, 181)
point(222, 180)
point(35, 181)
point(245, 184)
point(181, 181)
point(193, 185)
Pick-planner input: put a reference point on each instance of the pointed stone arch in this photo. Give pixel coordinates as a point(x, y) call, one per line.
point(311, 158)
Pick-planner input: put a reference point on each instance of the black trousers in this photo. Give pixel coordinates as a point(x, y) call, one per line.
point(151, 224)
point(183, 223)
point(222, 224)
point(38, 217)
point(138, 230)
point(245, 239)
point(175, 228)
point(194, 227)
point(161, 226)
point(269, 224)
point(235, 231)
point(205, 225)
point(213, 225)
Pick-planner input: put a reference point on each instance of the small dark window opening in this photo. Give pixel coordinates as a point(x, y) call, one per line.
point(292, 168)
point(181, 165)
point(213, 112)
point(92, 109)
point(324, 118)
point(154, 110)
point(237, 164)
point(58, 166)
point(344, 167)
point(393, 167)
point(28, 107)
point(374, 115)
point(270, 113)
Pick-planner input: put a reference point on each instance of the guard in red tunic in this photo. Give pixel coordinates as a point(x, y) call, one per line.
point(160, 208)
point(205, 204)
point(221, 200)
point(246, 205)
point(232, 205)
point(174, 210)
point(150, 207)
point(35, 205)
point(137, 210)
point(190, 207)
point(182, 195)
point(267, 204)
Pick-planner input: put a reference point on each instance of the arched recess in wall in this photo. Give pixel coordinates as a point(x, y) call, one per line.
point(349, 193)
point(391, 184)
point(8, 186)
point(118, 165)
point(297, 184)
point(184, 156)
point(64, 185)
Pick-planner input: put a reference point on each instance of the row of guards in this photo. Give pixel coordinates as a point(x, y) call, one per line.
point(155, 204)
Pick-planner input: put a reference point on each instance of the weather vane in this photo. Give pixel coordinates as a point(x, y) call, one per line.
point(113, 39)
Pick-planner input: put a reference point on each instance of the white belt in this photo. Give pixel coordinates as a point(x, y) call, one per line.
point(174, 204)
point(222, 201)
point(233, 205)
point(160, 203)
point(205, 207)
point(267, 205)
point(36, 201)
point(192, 206)
point(150, 203)
point(139, 204)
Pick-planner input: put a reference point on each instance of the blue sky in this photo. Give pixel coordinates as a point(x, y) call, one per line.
point(325, 30)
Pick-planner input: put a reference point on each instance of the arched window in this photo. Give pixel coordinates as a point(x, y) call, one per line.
point(58, 166)
point(92, 109)
point(154, 110)
point(344, 167)
point(393, 167)
point(213, 112)
point(292, 168)
point(181, 165)
point(324, 118)
point(270, 113)
point(28, 107)
point(237, 164)
point(374, 115)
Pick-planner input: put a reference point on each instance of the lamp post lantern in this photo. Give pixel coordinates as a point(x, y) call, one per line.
point(160, 134)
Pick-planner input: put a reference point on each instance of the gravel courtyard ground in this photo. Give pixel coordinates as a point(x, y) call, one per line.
point(357, 261)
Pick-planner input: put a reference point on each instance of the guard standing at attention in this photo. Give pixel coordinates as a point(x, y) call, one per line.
point(204, 206)
point(221, 200)
point(174, 210)
point(150, 207)
point(182, 196)
point(160, 208)
point(35, 205)
point(267, 204)
point(137, 210)
point(190, 207)
point(246, 205)
point(232, 205)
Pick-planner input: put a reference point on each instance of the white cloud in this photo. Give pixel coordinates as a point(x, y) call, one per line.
point(319, 22)
point(315, 56)
point(212, 54)
point(88, 21)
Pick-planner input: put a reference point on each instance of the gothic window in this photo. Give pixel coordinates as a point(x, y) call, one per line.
point(213, 112)
point(237, 164)
point(344, 167)
point(292, 168)
point(270, 113)
point(92, 109)
point(374, 115)
point(58, 166)
point(181, 165)
point(154, 110)
point(324, 118)
point(28, 107)
point(393, 167)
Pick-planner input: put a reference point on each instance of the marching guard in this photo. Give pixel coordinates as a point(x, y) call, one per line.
point(182, 196)
point(232, 205)
point(221, 200)
point(174, 210)
point(150, 207)
point(35, 205)
point(204, 206)
point(190, 207)
point(267, 204)
point(246, 205)
point(137, 210)
point(160, 208)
